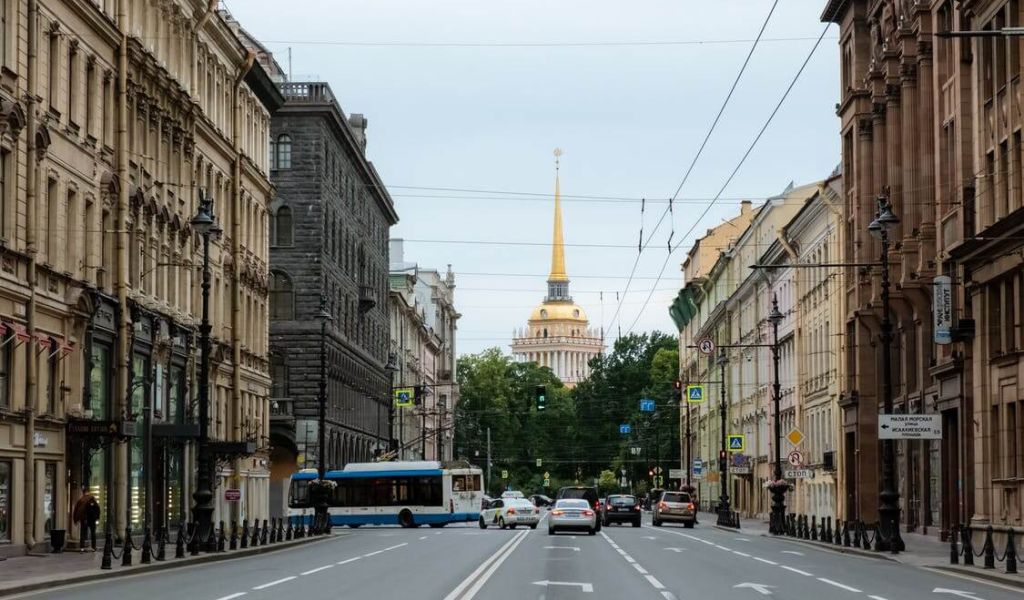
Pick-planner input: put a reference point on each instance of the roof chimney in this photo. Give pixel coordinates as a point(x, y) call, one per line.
point(746, 206)
point(358, 124)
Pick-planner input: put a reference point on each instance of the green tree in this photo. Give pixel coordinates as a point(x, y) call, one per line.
point(607, 482)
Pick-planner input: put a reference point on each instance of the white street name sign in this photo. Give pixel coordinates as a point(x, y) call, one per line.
point(909, 427)
point(675, 474)
point(798, 474)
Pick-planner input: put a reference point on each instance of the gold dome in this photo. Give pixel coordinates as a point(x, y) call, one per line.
point(561, 311)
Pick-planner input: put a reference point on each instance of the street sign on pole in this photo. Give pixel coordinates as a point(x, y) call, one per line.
point(795, 458)
point(695, 394)
point(795, 436)
point(625, 428)
point(909, 427)
point(798, 474)
point(736, 442)
point(404, 397)
point(539, 462)
point(504, 474)
point(635, 450)
point(231, 495)
point(706, 346)
point(647, 405)
point(676, 474)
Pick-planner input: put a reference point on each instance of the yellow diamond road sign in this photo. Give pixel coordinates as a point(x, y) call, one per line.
point(795, 436)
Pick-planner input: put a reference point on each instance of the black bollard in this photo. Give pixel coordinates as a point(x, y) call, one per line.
point(967, 540)
point(147, 548)
point(126, 553)
point(846, 533)
point(856, 534)
point(280, 529)
point(821, 530)
point(273, 531)
point(161, 544)
point(108, 549)
point(255, 533)
point(222, 539)
point(288, 532)
point(806, 528)
point(263, 534)
point(244, 540)
point(300, 532)
point(233, 541)
point(211, 540)
point(989, 550)
point(193, 539)
point(878, 539)
point(828, 530)
point(179, 543)
point(814, 528)
point(954, 552)
point(1011, 553)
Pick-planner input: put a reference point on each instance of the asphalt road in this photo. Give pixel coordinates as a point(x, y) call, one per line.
point(464, 562)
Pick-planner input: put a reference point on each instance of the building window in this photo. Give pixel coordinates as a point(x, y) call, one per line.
point(3, 32)
point(284, 152)
point(282, 227)
point(52, 83)
point(4, 156)
point(176, 395)
point(5, 369)
point(278, 377)
point(282, 299)
point(5, 501)
point(50, 497)
point(52, 379)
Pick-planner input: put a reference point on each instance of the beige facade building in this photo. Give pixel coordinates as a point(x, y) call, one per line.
point(558, 334)
point(125, 111)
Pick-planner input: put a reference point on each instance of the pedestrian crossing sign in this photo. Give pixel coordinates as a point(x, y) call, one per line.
point(404, 397)
point(737, 443)
point(695, 394)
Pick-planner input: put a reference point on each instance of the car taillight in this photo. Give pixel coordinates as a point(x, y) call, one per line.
point(662, 505)
point(637, 507)
point(558, 512)
point(511, 511)
point(588, 513)
point(690, 506)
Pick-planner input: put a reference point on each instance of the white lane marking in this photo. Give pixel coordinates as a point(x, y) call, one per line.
point(876, 598)
point(266, 585)
point(794, 552)
point(586, 588)
point(423, 537)
point(231, 596)
point(640, 569)
point(381, 551)
point(621, 551)
point(742, 539)
point(494, 567)
point(723, 548)
point(669, 596)
point(575, 548)
point(316, 570)
point(738, 553)
point(654, 581)
point(483, 566)
point(839, 585)
point(764, 560)
point(760, 588)
point(676, 550)
point(970, 595)
point(348, 560)
point(628, 558)
point(797, 571)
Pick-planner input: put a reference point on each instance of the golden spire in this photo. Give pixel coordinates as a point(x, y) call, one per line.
point(558, 244)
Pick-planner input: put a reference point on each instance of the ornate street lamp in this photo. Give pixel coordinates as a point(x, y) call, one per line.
point(889, 496)
point(779, 486)
point(724, 510)
point(323, 524)
point(202, 512)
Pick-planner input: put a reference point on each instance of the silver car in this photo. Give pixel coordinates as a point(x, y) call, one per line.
point(572, 514)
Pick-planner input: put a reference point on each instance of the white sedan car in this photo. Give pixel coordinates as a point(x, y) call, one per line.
point(572, 514)
point(510, 512)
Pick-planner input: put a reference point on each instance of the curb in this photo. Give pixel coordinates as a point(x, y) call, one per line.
point(163, 566)
point(986, 574)
point(829, 547)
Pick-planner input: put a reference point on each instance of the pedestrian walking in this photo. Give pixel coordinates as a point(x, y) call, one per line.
point(87, 514)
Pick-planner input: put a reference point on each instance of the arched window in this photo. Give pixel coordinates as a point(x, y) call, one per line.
point(284, 151)
point(282, 298)
point(282, 225)
point(545, 333)
point(272, 154)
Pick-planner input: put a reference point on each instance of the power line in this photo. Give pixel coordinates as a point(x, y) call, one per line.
point(592, 44)
point(711, 130)
point(743, 159)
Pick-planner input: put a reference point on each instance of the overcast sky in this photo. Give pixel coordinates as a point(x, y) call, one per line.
point(475, 95)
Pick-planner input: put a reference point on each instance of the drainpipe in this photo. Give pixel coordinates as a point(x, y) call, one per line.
point(236, 266)
point(121, 281)
point(31, 197)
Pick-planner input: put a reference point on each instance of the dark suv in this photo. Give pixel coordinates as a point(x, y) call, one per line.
point(621, 508)
point(583, 492)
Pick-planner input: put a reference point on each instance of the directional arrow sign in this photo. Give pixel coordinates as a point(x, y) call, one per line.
point(585, 587)
point(960, 593)
point(760, 588)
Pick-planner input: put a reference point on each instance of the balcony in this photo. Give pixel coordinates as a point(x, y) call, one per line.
point(367, 298)
point(281, 409)
point(296, 92)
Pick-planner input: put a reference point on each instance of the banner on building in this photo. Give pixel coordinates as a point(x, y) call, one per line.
point(942, 309)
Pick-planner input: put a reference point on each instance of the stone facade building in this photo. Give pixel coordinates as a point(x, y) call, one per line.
point(328, 238)
point(423, 324)
point(115, 116)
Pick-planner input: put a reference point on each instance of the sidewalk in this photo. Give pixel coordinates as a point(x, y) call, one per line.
point(41, 571)
point(923, 551)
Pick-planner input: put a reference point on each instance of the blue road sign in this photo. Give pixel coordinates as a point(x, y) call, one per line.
point(737, 442)
point(647, 405)
point(625, 428)
point(695, 394)
point(698, 467)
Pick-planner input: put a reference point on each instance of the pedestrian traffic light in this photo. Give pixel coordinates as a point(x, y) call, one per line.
point(419, 394)
point(541, 393)
point(722, 460)
point(678, 393)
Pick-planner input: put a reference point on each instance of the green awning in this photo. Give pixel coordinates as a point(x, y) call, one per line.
point(683, 308)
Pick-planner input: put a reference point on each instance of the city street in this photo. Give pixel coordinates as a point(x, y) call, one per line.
point(463, 562)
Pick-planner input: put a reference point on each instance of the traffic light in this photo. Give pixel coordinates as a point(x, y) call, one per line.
point(650, 472)
point(541, 393)
point(678, 393)
point(419, 393)
point(722, 460)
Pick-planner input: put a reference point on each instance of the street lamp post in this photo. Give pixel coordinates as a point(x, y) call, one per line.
point(322, 521)
point(889, 496)
point(724, 510)
point(202, 512)
point(778, 487)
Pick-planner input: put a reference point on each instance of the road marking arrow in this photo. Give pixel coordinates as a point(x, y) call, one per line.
point(793, 552)
point(742, 539)
point(760, 588)
point(960, 593)
point(675, 549)
point(585, 587)
point(650, 537)
point(576, 548)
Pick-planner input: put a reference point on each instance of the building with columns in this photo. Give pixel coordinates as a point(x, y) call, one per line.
point(558, 333)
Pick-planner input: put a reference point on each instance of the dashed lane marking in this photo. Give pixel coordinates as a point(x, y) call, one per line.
point(231, 596)
point(669, 595)
point(640, 569)
point(876, 598)
point(797, 571)
point(654, 581)
point(765, 561)
point(839, 585)
point(423, 537)
point(738, 553)
point(348, 560)
point(272, 583)
point(316, 570)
